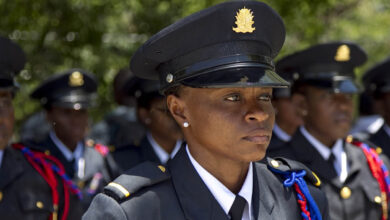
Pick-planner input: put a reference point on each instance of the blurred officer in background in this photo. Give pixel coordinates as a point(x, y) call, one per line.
point(163, 137)
point(377, 85)
point(352, 174)
point(287, 117)
point(216, 69)
point(66, 98)
point(120, 126)
point(31, 186)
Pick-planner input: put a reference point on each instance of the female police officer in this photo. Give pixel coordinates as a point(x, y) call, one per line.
point(216, 70)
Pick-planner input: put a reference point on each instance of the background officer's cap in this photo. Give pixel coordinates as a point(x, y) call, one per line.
point(12, 60)
point(377, 79)
point(278, 93)
point(228, 45)
point(330, 66)
point(137, 87)
point(74, 89)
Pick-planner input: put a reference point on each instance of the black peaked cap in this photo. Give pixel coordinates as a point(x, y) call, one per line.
point(231, 44)
point(328, 65)
point(137, 87)
point(12, 61)
point(377, 79)
point(74, 88)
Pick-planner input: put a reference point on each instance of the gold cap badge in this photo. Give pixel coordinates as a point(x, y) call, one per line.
point(244, 21)
point(76, 79)
point(342, 54)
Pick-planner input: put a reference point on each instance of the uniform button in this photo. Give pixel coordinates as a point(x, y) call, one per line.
point(162, 168)
point(39, 205)
point(47, 152)
point(275, 163)
point(1, 196)
point(378, 199)
point(378, 150)
point(345, 192)
point(169, 78)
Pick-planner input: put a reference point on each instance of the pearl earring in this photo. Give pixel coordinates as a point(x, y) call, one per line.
point(186, 124)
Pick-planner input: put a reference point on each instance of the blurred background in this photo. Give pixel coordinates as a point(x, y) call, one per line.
point(101, 35)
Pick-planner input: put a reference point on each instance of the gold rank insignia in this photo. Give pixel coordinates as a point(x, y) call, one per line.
point(244, 21)
point(76, 79)
point(342, 54)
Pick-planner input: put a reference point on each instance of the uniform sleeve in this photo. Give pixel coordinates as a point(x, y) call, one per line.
point(104, 207)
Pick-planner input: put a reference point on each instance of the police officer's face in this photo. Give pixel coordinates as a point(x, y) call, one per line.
point(329, 115)
point(383, 106)
point(287, 116)
point(6, 118)
point(225, 123)
point(159, 121)
point(69, 125)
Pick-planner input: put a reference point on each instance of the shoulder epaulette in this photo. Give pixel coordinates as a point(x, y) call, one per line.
point(294, 174)
point(135, 179)
point(287, 165)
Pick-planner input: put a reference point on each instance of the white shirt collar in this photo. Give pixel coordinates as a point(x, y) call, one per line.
point(387, 129)
point(340, 163)
point(221, 193)
point(1, 156)
point(281, 134)
point(69, 155)
point(160, 152)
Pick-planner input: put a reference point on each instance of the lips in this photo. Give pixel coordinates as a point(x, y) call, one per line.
point(259, 136)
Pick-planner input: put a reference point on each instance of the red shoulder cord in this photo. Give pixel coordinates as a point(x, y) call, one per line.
point(378, 170)
point(39, 161)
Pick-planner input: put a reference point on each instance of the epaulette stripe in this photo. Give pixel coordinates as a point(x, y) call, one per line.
point(120, 188)
point(318, 183)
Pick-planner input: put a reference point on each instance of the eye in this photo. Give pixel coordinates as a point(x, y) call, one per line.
point(233, 98)
point(265, 97)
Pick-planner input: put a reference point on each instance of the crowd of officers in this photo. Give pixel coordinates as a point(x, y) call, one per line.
point(61, 164)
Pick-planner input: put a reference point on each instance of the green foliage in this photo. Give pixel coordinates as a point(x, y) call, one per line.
point(101, 35)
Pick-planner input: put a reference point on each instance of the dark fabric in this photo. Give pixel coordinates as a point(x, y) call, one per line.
point(275, 144)
point(382, 140)
point(364, 188)
point(237, 208)
point(101, 169)
point(183, 195)
point(131, 155)
point(22, 187)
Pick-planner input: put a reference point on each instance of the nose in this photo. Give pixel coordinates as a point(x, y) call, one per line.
point(256, 112)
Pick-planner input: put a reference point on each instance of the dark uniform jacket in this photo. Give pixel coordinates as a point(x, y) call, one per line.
point(381, 139)
point(99, 169)
point(129, 156)
point(358, 198)
point(24, 194)
point(275, 144)
point(149, 191)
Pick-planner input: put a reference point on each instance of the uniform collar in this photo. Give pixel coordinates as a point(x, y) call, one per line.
point(222, 194)
point(69, 155)
point(340, 164)
point(162, 155)
point(281, 134)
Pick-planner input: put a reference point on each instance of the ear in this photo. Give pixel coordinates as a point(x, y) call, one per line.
point(300, 103)
point(177, 108)
point(143, 116)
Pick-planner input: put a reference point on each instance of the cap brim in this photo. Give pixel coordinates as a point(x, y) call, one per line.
point(238, 77)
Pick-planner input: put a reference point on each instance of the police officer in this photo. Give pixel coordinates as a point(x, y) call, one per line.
point(287, 118)
point(66, 98)
point(120, 126)
point(216, 70)
point(377, 84)
point(29, 188)
point(163, 136)
point(324, 93)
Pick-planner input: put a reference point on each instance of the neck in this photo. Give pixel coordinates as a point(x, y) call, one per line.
point(329, 142)
point(165, 143)
point(229, 172)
